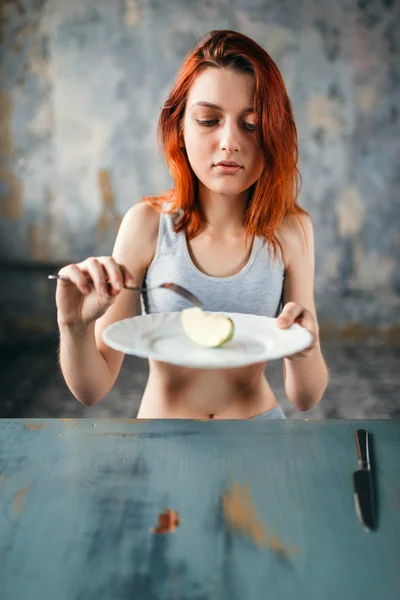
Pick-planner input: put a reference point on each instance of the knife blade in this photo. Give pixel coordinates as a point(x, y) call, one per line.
point(363, 484)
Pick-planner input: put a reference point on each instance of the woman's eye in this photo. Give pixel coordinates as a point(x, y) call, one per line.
point(212, 122)
point(207, 122)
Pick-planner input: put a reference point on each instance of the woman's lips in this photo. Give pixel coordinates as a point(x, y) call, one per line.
point(227, 168)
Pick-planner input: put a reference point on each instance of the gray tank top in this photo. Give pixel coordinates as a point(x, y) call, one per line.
point(256, 289)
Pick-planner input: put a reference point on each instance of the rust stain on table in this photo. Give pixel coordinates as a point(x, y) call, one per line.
point(240, 513)
point(34, 426)
point(279, 547)
point(18, 500)
point(168, 521)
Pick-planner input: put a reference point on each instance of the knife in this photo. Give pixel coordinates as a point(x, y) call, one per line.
point(363, 486)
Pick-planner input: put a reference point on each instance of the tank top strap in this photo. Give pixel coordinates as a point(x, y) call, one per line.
point(169, 242)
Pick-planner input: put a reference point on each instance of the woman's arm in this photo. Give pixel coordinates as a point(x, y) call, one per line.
point(89, 366)
point(305, 374)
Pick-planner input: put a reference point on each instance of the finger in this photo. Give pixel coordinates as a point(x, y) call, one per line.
point(76, 277)
point(291, 311)
point(97, 274)
point(307, 320)
point(114, 275)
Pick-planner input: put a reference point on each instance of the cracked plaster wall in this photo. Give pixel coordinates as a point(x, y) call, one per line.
point(82, 82)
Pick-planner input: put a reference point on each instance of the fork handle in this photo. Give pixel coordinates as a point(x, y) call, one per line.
point(58, 277)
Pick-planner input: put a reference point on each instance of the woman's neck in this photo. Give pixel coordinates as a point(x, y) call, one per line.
point(222, 213)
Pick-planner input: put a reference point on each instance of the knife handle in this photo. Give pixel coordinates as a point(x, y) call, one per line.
point(362, 443)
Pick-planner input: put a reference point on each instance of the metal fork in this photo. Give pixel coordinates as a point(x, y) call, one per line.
point(174, 287)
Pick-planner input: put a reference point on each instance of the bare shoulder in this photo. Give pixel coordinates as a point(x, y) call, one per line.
point(142, 219)
point(137, 236)
point(296, 235)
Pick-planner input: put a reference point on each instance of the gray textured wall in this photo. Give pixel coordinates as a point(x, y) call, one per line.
point(82, 82)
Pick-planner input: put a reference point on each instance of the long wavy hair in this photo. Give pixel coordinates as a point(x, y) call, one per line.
point(274, 195)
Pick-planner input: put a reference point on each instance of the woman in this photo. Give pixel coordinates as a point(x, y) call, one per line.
point(231, 231)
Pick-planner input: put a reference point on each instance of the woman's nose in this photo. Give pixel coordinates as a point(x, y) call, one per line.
point(230, 138)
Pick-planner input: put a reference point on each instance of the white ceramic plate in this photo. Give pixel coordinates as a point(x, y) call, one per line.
point(160, 336)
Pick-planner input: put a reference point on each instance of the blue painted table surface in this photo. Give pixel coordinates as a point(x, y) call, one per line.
point(265, 510)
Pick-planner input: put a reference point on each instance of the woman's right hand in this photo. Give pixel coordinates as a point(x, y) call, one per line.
point(93, 287)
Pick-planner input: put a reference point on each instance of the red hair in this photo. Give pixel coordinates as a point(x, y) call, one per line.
point(274, 195)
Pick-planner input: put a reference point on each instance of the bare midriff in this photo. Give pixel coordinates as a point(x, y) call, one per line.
point(175, 392)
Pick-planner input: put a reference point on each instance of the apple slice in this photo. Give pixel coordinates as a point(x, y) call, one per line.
point(211, 331)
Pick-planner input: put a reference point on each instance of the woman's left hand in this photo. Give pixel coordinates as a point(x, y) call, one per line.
point(295, 313)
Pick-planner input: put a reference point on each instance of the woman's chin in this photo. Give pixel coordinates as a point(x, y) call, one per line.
point(226, 188)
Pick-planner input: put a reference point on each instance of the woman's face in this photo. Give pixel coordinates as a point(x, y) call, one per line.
point(219, 133)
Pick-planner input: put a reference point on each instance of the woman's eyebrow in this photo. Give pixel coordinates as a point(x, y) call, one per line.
point(250, 109)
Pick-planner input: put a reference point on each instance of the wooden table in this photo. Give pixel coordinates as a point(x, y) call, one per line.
point(252, 510)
